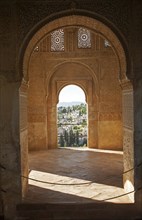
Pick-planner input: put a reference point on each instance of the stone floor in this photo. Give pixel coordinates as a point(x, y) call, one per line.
point(76, 175)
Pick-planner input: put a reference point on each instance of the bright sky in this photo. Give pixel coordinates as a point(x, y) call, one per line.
point(72, 93)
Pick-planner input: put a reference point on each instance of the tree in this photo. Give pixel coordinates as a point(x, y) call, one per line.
point(77, 138)
point(71, 137)
point(62, 141)
point(80, 112)
point(66, 138)
point(64, 110)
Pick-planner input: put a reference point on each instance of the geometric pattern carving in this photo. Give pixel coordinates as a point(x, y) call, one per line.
point(110, 116)
point(23, 111)
point(128, 109)
point(57, 40)
point(30, 14)
point(128, 149)
point(84, 38)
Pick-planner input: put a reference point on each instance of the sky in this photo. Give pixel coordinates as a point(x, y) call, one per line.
point(72, 93)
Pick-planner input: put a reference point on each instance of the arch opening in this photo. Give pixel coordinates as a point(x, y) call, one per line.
point(72, 117)
point(105, 118)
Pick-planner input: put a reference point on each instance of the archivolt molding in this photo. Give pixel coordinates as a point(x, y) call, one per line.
point(76, 20)
point(52, 74)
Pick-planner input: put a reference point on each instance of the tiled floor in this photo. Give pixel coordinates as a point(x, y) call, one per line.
point(75, 175)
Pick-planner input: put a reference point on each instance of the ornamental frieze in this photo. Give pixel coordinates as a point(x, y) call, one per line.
point(30, 13)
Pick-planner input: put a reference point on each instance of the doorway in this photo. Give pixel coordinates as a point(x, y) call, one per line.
point(94, 75)
point(72, 117)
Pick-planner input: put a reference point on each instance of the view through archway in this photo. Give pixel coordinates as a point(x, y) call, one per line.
point(72, 116)
point(94, 72)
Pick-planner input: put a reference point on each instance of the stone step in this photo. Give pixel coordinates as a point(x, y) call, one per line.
point(22, 218)
point(106, 211)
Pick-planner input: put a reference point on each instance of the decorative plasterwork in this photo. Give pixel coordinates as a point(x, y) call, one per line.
point(32, 12)
point(57, 40)
point(89, 23)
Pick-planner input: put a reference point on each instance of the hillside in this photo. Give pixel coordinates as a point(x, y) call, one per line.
point(66, 104)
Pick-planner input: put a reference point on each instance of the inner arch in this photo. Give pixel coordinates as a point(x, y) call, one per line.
point(72, 119)
point(72, 93)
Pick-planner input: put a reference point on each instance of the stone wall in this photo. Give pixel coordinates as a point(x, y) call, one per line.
point(19, 20)
point(37, 111)
point(24, 135)
point(136, 51)
point(10, 146)
point(105, 112)
point(110, 105)
point(138, 140)
point(128, 139)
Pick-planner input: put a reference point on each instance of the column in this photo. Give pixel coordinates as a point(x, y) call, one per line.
point(10, 146)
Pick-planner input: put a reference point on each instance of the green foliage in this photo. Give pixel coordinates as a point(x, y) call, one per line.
point(67, 116)
point(64, 110)
point(62, 141)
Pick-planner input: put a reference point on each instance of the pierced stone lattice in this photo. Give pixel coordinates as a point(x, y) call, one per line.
point(84, 38)
point(57, 40)
point(106, 43)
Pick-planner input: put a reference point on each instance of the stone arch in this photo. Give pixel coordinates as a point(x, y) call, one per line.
point(89, 69)
point(90, 23)
point(83, 78)
point(122, 63)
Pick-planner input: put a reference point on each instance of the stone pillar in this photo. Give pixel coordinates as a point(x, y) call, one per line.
point(52, 125)
point(10, 146)
point(1, 194)
point(132, 140)
point(138, 140)
point(92, 116)
point(136, 52)
point(92, 128)
point(24, 135)
point(128, 139)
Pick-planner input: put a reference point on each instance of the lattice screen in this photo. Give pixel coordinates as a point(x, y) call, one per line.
point(84, 38)
point(106, 43)
point(57, 40)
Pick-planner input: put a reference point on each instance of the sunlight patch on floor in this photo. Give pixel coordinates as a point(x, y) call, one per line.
point(74, 186)
point(93, 150)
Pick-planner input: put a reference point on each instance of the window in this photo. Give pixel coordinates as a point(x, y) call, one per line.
point(57, 40)
point(107, 44)
point(84, 39)
point(36, 49)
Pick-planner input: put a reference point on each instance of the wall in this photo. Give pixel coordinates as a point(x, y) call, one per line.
point(136, 49)
point(78, 74)
point(20, 18)
point(37, 129)
point(128, 138)
point(110, 105)
point(10, 146)
point(24, 135)
point(104, 99)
